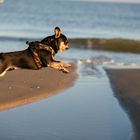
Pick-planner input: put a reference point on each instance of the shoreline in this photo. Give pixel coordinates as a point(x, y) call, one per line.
point(125, 84)
point(21, 87)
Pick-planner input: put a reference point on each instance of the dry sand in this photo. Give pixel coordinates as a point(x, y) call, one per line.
point(126, 86)
point(20, 87)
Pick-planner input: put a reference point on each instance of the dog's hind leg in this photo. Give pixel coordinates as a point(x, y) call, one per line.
point(3, 71)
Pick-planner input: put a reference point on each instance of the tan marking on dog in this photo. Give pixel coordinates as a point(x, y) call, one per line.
point(59, 66)
point(8, 68)
point(63, 47)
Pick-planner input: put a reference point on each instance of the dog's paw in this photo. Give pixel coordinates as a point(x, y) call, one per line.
point(67, 65)
point(63, 69)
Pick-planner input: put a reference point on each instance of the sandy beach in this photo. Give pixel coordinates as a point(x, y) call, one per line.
point(20, 87)
point(126, 86)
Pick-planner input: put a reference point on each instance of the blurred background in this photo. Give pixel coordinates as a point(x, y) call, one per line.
point(77, 18)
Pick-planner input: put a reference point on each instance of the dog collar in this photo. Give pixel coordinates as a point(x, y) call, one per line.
point(36, 57)
point(46, 47)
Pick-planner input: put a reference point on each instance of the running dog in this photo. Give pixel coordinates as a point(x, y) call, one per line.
point(26, 59)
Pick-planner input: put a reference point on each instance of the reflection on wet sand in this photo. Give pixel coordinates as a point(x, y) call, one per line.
point(126, 89)
point(20, 102)
point(133, 111)
point(21, 87)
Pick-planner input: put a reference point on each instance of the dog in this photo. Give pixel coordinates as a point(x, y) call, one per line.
point(25, 60)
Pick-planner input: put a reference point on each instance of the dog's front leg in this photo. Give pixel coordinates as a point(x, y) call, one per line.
point(66, 65)
point(58, 65)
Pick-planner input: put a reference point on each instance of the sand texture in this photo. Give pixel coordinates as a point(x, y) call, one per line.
point(20, 87)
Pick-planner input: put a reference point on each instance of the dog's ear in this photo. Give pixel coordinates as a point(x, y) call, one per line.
point(57, 32)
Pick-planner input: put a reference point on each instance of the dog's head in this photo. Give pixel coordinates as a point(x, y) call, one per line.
point(58, 43)
point(62, 43)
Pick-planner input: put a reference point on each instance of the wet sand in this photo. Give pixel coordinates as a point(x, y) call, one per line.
point(126, 86)
point(20, 87)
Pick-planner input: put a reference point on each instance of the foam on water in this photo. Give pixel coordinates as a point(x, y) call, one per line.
point(107, 62)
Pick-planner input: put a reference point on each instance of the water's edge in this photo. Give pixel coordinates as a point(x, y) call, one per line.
point(129, 105)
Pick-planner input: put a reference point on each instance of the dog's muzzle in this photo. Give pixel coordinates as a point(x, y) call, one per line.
point(67, 46)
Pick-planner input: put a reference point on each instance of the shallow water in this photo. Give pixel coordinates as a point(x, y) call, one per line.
point(88, 110)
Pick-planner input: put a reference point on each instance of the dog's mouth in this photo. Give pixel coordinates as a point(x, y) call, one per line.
point(62, 49)
point(67, 47)
point(63, 46)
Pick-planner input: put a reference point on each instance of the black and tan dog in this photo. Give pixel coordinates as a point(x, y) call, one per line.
point(25, 59)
